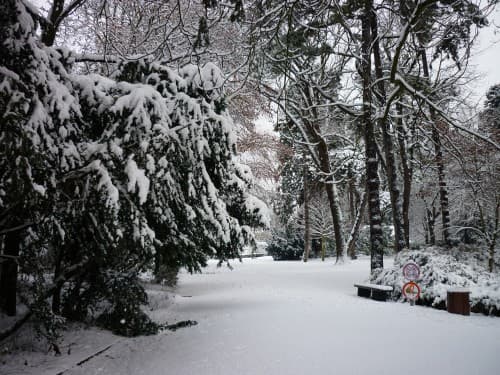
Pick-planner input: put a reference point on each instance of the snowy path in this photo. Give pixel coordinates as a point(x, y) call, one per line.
point(271, 318)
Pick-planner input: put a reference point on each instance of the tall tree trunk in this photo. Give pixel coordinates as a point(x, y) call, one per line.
point(351, 244)
point(330, 186)
point(390, 160)
point(157, 266)
point(426, 228)
point(333, 199)
point(56, 297)
point(372, 178)
point(438, 150)
point(407, 173)
point(430, 225)
point(323, 248)
point(307, 219)
point(8, 281)
point(493, 241)
point(352, 200)
point(443, 189)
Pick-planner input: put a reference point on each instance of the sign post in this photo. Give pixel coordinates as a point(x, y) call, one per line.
point(411, 290)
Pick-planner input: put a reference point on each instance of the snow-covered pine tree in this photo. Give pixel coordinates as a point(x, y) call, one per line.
point(176, 147)
point(37, 123)
point(100, 176)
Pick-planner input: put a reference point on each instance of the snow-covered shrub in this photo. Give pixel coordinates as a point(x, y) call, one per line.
point(123, 317)
point(286, 246)
point(441, 269)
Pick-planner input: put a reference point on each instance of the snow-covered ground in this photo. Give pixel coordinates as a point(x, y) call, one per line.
point(287, 318)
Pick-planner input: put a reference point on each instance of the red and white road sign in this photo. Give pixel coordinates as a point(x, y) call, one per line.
point(411, 291)
point(411, 271)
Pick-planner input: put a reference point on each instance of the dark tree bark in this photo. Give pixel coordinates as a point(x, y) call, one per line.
point(49, 31)
point(56, 297)
point(407, 174)
point(57, 13)
point(431, 219)
point(372, 178)
point(351, 245)
point(426, 230)
point(352, 200)
point(443, 188)
point(8, 280)
point(493, 241)
point(333, 199)
point(307, 219)
point(323, 248)
point(438, 150)
point(390, 161)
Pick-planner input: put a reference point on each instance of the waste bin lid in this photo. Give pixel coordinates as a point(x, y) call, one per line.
point(457, 289)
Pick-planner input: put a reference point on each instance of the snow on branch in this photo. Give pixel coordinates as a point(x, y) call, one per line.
point(404, 84)
point(417, 12)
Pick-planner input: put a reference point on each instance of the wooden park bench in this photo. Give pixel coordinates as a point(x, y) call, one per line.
point(376, 292)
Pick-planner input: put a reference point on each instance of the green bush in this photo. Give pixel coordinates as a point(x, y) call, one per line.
point(124, 315)
point(286, 247)
point(128, 322)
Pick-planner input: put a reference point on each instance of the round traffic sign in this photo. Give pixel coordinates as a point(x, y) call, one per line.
point(411, 271)
point(411, 291)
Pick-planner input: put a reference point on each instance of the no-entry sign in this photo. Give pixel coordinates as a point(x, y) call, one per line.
point(411, 291)
point(411, 271)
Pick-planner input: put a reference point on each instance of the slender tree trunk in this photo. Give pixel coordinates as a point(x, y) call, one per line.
point(372, 178)
point(436, 139)
point(426, 228)
point(307, 219)
point(351, 244)
point(443, 189)
point(407, 174)
point(330, 186)
point(56, 297)
point(323, 248)
point(431, 219)
point(157, 266)
point(493, 241)
point(390, 160)
point(333, 198)
point(70, 309)
point(352, 201)
point(8, 281)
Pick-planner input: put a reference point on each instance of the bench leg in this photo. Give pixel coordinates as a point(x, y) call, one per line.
point(364, 292)
point(379, 295)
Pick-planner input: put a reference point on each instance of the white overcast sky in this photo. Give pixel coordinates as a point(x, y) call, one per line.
point(486, 56)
